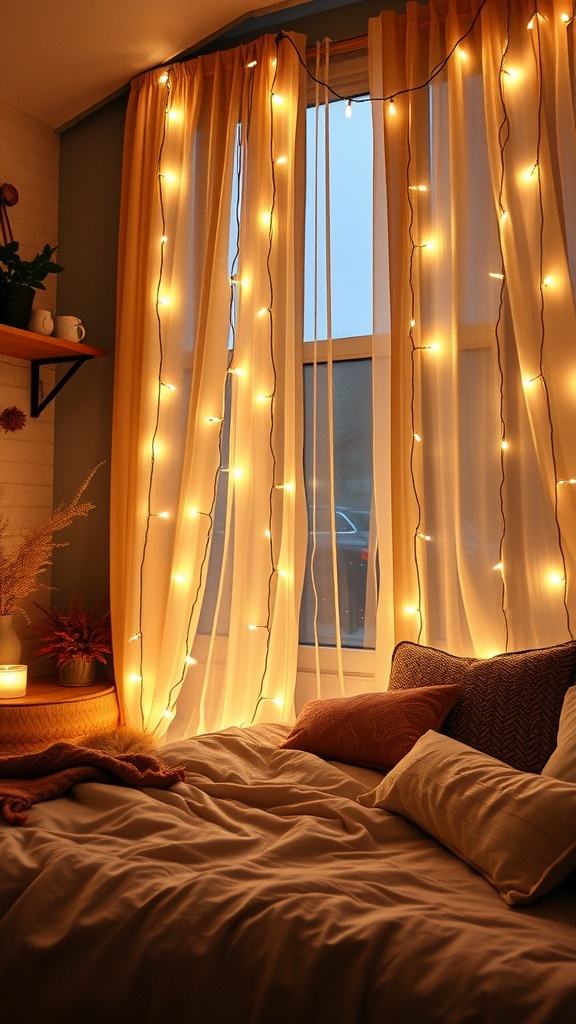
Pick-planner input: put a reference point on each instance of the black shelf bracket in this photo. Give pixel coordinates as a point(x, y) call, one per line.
point(36, 406)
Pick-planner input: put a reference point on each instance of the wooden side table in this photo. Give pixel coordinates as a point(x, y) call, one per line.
point(50, 713)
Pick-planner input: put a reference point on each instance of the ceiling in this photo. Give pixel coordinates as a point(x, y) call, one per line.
point(59, 59)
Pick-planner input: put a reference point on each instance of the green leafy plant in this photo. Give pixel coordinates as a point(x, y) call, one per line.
point(77, 633)
point(15, 270)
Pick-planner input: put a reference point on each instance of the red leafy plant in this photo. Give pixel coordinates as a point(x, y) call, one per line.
point(75, 634)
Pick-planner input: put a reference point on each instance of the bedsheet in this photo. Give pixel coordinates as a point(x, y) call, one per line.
point(259, 891)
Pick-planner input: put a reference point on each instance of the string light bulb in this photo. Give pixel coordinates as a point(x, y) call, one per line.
point(349, 108)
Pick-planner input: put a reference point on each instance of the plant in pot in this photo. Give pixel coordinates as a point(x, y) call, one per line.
point(18, 280)
point(77, 639)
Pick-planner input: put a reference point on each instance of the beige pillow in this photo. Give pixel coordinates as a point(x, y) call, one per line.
point(562, 763)
point(510, 705)
point(516, 829)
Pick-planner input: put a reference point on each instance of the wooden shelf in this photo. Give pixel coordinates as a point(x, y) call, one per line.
point(39, 349)
point(28, 345)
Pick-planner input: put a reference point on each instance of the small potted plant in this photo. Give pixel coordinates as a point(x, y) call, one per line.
point(18, 280)
point(77, 639)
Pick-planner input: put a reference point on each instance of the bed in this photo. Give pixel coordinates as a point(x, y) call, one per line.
point(273, 884)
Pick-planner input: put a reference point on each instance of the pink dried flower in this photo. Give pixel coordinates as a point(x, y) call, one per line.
point(77, 633)
point(12, 419)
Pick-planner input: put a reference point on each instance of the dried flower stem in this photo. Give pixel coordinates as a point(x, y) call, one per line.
point(20, 570)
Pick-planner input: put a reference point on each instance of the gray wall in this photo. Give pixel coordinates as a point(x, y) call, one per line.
point(89, 201)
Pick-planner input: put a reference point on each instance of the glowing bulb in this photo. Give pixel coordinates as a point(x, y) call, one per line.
point(556, 579)
point(163, 79)
point(462, 53)
point(266, 218)
point(251, 63)
point(417, 188)
point(284, 487)
point(499, 277)
point(276, 98)
point(168, 176)
point(513, 74)
point(504, 445)
point(412, 323)
point(267, 534)
point(174, 115)
point(417, 437)
point(392, 106)
point(135, 636)
point(135, 678)
point(548, 281)
point(433, 347)
point(161, 515)
point(277, 701)
point(213, 419)
point(237, 371)
point(424, 536)
point(349, 108)
point(263, 311)
point(237, 473)
point(163, 239)
point(190, 660)
point(504, 216)
point(498, 567)
point(281, 159)
point(169, 387)
point(429, 244)
point(179, 578)
point(409, 609)
point(163, 300)
point(530, 173)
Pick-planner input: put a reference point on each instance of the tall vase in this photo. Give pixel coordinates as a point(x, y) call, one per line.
point(10, 643)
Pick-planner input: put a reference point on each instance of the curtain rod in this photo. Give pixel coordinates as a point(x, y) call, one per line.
point(342, 46)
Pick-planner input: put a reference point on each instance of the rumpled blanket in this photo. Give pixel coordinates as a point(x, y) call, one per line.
point(26, 779)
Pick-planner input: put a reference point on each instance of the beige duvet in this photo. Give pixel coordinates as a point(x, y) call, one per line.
point(260, 891)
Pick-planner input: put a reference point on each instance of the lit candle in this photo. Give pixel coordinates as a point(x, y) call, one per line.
point(12, 681)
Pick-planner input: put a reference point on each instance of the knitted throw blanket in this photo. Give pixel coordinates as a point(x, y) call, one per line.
point(26, 779)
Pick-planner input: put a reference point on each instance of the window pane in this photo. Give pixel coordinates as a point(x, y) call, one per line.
point(349, 523)
point(350, 223)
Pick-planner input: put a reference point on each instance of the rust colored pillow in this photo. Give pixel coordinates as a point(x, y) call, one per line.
point(510, 705)
point(373, 729)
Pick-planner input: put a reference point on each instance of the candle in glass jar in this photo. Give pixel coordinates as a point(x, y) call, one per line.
point(12, 681)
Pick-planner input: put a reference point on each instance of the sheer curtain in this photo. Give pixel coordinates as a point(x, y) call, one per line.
point(480, 175)
point(207, 495)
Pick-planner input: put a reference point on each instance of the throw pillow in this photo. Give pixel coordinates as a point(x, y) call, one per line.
point(562, 763)
point(516, 829)
point(372, 729)
point(510, 704)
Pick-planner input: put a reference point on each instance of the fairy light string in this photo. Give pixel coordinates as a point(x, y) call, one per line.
point(537, 48)
point(503, 139)
point(166, 81)
point(273, 574)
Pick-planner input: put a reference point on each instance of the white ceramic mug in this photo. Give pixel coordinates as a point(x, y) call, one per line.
point(41, 321)
point(69, 328)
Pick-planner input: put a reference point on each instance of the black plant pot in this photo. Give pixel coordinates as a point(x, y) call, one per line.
point(15, 304)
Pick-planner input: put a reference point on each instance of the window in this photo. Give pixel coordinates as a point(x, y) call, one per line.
point(338, 448)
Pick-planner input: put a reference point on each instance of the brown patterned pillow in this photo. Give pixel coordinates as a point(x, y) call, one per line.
point(373, 729)
point(510, 704)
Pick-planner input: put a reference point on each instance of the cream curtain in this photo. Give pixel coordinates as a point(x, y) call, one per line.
point(480, 174)
point(208, 507)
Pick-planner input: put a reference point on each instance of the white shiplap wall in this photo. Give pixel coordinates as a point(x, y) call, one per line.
point(29, 161)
